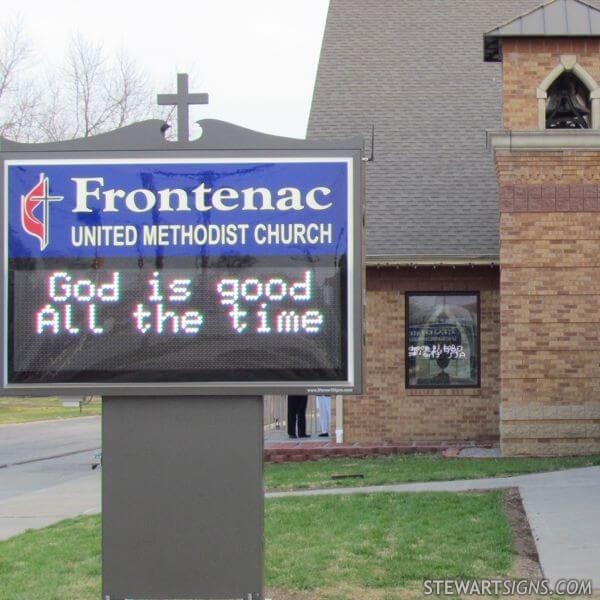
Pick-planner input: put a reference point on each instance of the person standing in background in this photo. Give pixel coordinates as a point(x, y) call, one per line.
point(297, 416)
point(324, 408)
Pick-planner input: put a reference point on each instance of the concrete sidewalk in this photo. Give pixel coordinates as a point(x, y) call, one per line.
point(563, 508)
point(38, 494)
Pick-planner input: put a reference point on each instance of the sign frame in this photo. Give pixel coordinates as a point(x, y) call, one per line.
point(219, 140)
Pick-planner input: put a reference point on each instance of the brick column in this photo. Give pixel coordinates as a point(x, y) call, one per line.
point(549, 302)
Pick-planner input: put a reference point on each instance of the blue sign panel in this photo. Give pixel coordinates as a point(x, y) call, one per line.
point(194, 271)
point(89, 209)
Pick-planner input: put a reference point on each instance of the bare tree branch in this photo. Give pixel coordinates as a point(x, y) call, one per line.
point(53, 124)
point(19, 99)
point(90, 94)
point(105, 94)
point(85, 75)
point(14, 51)
point(129, 93)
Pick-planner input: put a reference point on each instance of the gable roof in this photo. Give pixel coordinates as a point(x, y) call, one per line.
point(557, 18)
point(413, 69)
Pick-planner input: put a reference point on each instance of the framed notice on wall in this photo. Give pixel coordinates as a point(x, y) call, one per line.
point(140, 272)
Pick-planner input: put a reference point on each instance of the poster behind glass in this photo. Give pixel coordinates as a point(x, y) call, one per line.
point(442, 343)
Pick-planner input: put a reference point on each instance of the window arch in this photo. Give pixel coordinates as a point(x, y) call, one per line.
point(568, 74)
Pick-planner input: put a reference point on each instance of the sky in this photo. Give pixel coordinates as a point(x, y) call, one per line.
point(257, 59)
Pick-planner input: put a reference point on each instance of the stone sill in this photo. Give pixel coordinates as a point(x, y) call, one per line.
point(443, 392)
point(543, 140)
point(550, 412)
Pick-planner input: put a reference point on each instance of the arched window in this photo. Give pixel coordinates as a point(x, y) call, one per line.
point(568, 97)
point(568, 105)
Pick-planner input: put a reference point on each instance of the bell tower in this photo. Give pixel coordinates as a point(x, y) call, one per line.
point(548, 164)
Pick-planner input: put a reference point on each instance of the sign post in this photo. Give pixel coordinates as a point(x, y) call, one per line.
point(182, 502)
point(182, 281)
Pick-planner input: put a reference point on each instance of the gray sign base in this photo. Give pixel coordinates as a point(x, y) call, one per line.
point(182, 498)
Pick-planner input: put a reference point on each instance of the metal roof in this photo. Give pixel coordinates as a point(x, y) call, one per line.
point(557, 18)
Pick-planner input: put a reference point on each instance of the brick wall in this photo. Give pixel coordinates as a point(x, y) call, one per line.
point(550, 269)
point(554, 172)
point(526, 62)
point(550, 301)
point(388, 411)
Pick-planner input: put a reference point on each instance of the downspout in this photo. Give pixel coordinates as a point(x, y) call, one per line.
point(339, 419)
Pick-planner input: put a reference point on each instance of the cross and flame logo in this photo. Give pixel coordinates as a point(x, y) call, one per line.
point(34, 223)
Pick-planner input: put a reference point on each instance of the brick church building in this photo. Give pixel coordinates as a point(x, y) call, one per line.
point(483, 217)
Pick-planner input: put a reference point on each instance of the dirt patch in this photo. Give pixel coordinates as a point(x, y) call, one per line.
point(527, 563)
point(280, 594)
point(344, 592)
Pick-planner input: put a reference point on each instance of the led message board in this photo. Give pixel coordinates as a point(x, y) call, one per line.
point(205, 273)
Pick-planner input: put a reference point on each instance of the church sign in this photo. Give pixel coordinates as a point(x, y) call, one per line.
point(179, 272)
point(196, 269)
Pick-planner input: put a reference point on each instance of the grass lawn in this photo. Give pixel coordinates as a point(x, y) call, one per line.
point(368, 546)
point(384, 541)
point(24, 410)
point(411, 468)
point(58, 562)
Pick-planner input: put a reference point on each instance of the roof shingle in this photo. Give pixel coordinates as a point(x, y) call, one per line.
point(414, 70)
